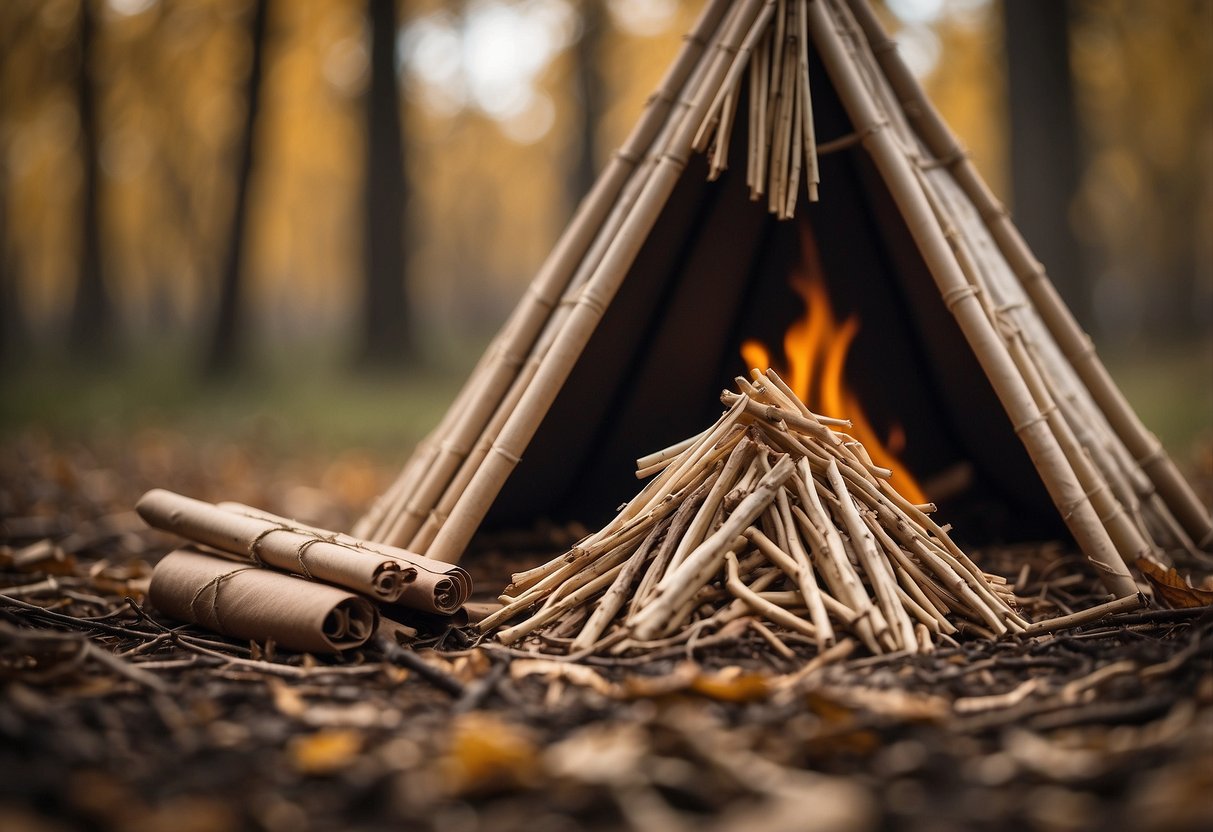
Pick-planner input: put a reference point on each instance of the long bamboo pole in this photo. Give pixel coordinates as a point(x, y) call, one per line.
point(1080, 428)
point(440, 491)
point(1075, 344)
point(527, 321)
point(961, 299)
point(1128, 544)
point(455, 534)
point(1129, 541)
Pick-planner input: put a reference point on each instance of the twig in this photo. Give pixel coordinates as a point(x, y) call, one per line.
point(409, 660)
point(1087, 616)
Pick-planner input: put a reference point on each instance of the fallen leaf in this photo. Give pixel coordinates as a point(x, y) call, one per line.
point(650, 687)
point(577, 674)
point(1172, 588)
point(324, 752)
point(731, 684)
point(286, 699)
point(890, 703)
point(466, 669)
point(487, 754)
point(610, 754)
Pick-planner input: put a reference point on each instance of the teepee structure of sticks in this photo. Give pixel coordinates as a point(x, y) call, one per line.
point(1112, 483)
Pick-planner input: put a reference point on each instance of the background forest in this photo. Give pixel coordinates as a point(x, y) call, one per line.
point(302, 219)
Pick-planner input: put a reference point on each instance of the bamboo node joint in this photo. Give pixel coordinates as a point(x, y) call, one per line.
point(506, 454)
point(952, 297)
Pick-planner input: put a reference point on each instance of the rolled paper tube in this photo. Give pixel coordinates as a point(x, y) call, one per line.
point(246, 601)
point(438, 587)
point(385, 573)
point(274, 544)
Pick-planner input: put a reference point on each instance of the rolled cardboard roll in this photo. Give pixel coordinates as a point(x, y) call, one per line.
point(247, 601)
point(440, 588)
point(277, 544)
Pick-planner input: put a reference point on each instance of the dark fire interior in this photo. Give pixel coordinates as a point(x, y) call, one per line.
point(713, 273)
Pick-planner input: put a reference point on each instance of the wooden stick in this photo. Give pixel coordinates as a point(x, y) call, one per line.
point(616, 596)
point(910, 576)
point(763, 64)
point(682, 518)
point(782, 139)
point(587, 590)
point(732, 79)
point(760, 605)
point(830, 554)
point(752, 123)
point(806, 104)
point(1113, 570)
point(700, 455)
point(700, 525)
point(571, 566)
point(809, 593)
point(698, 577)
point(677, 585)
point(1087, 616)
point(803, 574)
point(1128, 541)
point(665, 455)
point(864, 544)
point(792, 190)
point(794, 599)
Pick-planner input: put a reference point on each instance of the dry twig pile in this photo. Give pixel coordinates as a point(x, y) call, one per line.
point(775, 513)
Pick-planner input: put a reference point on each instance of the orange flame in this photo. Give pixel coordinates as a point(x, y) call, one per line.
point(815, 348)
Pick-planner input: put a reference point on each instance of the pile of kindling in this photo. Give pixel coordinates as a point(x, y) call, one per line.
point(774, 513)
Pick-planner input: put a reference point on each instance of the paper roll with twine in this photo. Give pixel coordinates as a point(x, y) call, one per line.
point(440, 588)
point(246, 601)
point(383, 573)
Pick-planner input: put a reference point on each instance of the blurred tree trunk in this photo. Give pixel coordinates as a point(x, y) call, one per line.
point(91, 327)
point(228, 336)
point(14, 337)
point(387, 335)
point(591, 93)
point(1045, 152)
point(13, 334)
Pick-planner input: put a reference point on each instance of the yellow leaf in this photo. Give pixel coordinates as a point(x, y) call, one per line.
point(731, 684)
point(487, 754)
point(324, 752)
point(727, 686)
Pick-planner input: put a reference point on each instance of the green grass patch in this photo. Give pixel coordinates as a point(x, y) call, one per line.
point(306, 394)
point(310, 394)
point(1171, 388)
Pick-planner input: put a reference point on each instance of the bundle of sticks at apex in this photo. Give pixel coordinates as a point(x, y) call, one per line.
point(303, 610)
point(772, 514)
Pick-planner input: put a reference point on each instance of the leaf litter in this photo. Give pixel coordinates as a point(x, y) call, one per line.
point(113, 717)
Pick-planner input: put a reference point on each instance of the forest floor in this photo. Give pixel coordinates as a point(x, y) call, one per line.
point(112, 717)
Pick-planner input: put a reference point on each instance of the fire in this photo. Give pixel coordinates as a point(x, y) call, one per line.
point(815, 349)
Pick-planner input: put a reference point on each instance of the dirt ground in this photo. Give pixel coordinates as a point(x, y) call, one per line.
point(112, 717)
